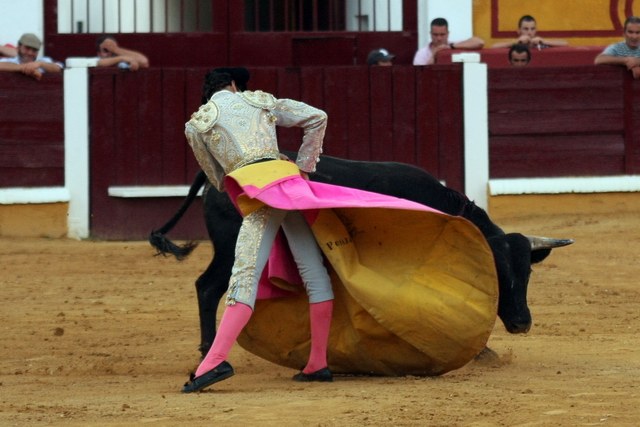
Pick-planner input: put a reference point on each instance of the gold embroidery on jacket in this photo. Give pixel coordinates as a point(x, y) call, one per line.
point(243, 280)
point(259, 99)
point(206, 117)
point(243, 132)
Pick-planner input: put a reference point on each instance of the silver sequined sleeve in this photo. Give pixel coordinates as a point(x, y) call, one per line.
point(291, 113)
point(207, 162)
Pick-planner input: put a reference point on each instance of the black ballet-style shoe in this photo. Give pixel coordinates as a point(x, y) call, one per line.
point(323, 375)
point(219, 373)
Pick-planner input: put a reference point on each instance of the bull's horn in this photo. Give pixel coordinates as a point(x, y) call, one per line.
point(538, 242)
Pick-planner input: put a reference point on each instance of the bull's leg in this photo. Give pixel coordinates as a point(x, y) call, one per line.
point(210, 287)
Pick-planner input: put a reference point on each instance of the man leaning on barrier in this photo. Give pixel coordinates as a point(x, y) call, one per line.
point(26, 61)
point(627, 52)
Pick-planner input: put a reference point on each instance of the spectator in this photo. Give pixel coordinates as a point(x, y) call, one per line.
point(8, 51)
point(380, 57)
point(519, 55)
point(110, 54)
point(528, 36)
point(25, 61)
point(440, 41)
point(626, 53)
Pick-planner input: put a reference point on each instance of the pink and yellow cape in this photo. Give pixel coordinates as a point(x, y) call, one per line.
point(415, 289)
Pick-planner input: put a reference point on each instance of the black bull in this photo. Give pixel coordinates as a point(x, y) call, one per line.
point(514, 253)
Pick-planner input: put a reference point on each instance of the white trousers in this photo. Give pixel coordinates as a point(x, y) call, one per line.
point(255, 240)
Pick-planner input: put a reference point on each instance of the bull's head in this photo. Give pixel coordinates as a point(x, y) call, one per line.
point(514, 254)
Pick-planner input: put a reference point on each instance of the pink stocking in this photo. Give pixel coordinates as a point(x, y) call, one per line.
point(320, 323)
point(235, 317)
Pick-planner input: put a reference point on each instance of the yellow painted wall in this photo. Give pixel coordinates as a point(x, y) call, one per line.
point(34, 220)
point(512, 206)
point(553, 15)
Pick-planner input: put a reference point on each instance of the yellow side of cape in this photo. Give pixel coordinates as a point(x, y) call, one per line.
point(261, 175)
point(416, 294)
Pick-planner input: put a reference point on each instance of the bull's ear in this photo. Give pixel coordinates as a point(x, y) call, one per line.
point(539, 255)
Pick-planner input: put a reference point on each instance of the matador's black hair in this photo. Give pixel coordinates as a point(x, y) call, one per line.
point(220, 78)
point(214, 82)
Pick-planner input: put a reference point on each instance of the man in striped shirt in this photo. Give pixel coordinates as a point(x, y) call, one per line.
point(625, 53)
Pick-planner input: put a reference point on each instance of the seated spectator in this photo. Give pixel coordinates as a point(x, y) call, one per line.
point(440, 41)
point(519, 55)
point(110, 54)
point(528, 36)
point(25, 61)
point(380, 57)
point(626, 53)
point(8, 51)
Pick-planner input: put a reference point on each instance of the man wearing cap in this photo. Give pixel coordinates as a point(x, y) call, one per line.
point(380, 57)
point(28, 48)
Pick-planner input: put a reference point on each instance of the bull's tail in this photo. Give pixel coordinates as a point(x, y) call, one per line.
point(158, 239)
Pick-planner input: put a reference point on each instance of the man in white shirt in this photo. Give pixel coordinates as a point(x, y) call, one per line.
point(26, 63)
point(440, 41)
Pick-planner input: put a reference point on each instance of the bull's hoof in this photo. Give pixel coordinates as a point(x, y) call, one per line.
point(323, 375)
point(487, 356)
point(219, 373)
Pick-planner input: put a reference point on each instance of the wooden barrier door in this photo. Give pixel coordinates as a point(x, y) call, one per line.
point(406, 114)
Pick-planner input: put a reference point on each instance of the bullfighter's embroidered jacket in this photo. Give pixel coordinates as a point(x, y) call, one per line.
point(236, 129)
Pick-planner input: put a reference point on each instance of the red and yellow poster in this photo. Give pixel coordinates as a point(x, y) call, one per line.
point(580, 22)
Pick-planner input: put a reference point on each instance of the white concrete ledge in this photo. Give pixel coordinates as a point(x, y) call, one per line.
point(601, 184)
point(25, 195)
point(470, 57)
point(151, 191)
point(81, 62)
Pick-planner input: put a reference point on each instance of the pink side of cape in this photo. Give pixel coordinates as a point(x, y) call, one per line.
point(295, 193)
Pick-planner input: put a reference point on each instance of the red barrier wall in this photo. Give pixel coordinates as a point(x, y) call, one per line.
point(577, 121)
point(31, 131)
point(543, 122)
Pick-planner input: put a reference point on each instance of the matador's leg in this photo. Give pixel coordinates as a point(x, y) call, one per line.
point(308, 257)
point(257, 233)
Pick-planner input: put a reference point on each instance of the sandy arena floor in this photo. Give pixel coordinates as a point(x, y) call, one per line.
point(104, 334)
